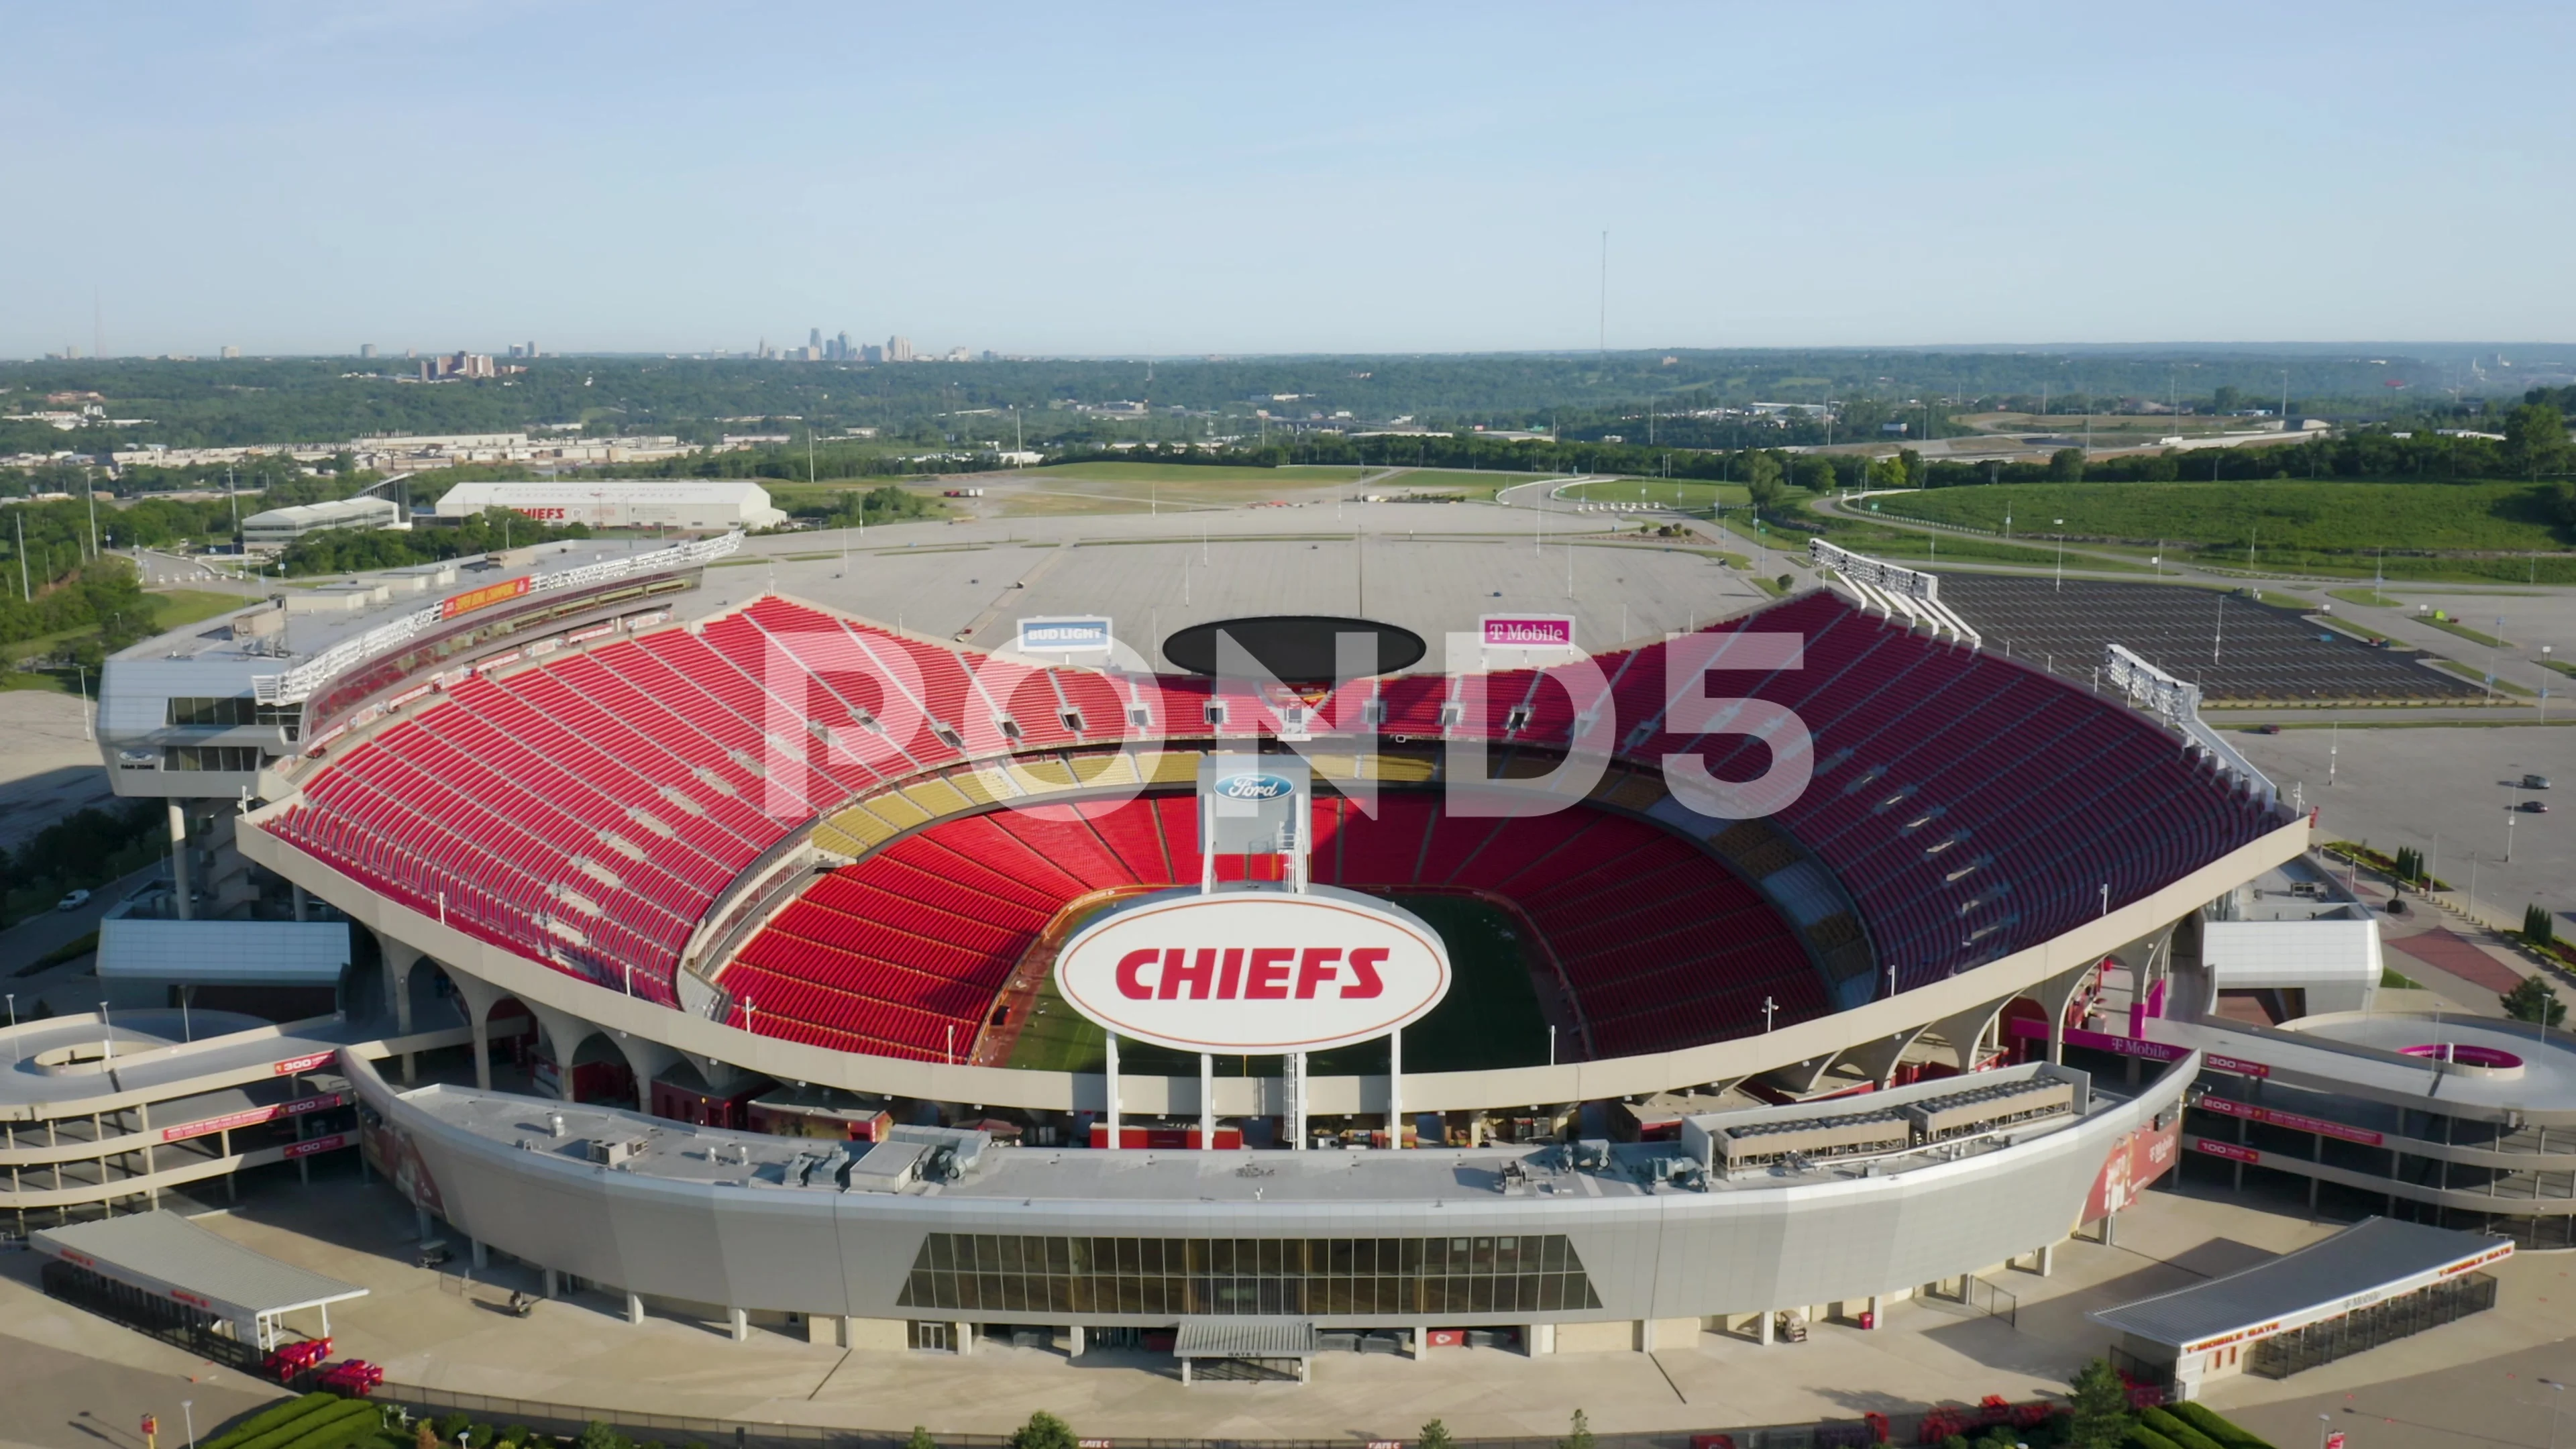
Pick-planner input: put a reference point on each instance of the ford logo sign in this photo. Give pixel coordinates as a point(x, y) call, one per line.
point(1254, 787)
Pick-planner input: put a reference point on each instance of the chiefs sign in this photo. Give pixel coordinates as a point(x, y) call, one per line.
point(1254, 971)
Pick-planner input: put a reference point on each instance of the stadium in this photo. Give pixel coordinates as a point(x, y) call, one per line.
point(726, 950)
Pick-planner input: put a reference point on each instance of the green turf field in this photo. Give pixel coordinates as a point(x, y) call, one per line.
point(1490, 1018)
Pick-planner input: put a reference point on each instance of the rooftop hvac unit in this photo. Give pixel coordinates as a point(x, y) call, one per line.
point(615, 1152)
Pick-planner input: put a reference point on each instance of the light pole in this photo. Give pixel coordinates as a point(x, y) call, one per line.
point(188, 1415)
point(2061, 555)
point(1768, 1007)
point(2555, 1390)
point(2322, 1422)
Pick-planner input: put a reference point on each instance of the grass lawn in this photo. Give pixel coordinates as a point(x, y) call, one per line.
point(2450, 626)
point(2288, 522)
point(1087, 488)
point(1933, 549)
point(1472, 482)
point(2475, 675)
point(2365, 597)
point(170, 610)
point(1662, 492)
point(2561, 665)
point(1187, 473)
point(1489, 1019)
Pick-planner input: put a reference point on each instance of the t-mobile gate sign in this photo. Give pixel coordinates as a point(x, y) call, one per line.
point(1528, 631)
point(1254, 971)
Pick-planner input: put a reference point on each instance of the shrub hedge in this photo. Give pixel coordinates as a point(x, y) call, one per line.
point(272, 1417)
point(2217, 1426)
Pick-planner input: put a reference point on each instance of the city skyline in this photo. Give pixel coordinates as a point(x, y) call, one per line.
point(1167, 182)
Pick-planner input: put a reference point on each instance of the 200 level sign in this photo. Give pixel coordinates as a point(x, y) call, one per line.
point(1255, 971)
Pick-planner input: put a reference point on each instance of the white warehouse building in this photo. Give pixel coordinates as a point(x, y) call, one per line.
point(714, 506)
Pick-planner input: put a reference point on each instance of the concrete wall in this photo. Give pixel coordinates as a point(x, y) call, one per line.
point(1664, 1256)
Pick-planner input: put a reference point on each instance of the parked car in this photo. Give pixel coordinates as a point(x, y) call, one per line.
point(2534, 807)
point(72, 901)
point(2267, 729)
point(2535, 782)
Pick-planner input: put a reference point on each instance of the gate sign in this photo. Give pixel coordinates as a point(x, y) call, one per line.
point(1528, 631)
point(1065, 634)
point(1254, 971)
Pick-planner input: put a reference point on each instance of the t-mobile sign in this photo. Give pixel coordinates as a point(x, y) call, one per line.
point(1529, 631)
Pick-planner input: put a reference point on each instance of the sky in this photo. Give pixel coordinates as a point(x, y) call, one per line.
point(1193, 178)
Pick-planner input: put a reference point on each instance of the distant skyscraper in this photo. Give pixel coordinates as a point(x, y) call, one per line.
point(872, 353)
point(814, 339)
point(532, 349)
point(898, 349)
point(841, 345)
point(366, 349)
point(229, 352)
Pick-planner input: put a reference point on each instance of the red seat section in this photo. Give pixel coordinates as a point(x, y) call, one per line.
point(904, 953)
point(589, 811)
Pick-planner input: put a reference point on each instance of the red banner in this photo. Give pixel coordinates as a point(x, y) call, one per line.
point(2138, 1046)
point(2228, 1150)
point(292, 1065)
point(2142, 1155)
point(2292, 1120)
point(252, 1117)
point(311, 1145)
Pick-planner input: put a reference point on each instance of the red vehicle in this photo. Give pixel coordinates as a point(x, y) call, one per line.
point(295, 1358)
point(352, 1376)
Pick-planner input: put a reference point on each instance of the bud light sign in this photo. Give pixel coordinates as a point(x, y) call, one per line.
point(1085, 634)
point(1254, 971)
point(1254, 787)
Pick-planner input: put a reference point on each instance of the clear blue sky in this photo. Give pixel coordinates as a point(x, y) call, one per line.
point(1206, 178)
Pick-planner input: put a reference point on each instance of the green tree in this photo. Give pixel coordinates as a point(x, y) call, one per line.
point(598, 1435)
point(921, 1437)
point(2537, 926)
point(1578, 1435)
point(1043, 1431)
point(2226, 399)
point(1435, 1435)
point(2066, 465)
point(2534, 1001)
point(1917, 472)
point(2535, 439)
point(2099, 1401)
point(1816, 473)
point(1762, 480)
point(1887, 472)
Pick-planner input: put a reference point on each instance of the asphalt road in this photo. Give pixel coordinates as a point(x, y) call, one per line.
point(42, 933)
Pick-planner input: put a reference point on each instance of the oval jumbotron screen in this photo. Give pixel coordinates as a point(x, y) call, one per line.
point(1295, 648)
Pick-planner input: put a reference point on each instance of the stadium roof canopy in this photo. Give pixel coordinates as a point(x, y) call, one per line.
point(170, 1257)
point(2375, 1258)
point(1245, 1338)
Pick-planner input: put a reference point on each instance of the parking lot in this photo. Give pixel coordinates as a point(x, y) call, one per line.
point(2237, 650)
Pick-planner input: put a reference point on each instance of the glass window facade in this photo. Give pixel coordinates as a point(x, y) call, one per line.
point(228, 759)
point(222, 713)
point(1487, 1276)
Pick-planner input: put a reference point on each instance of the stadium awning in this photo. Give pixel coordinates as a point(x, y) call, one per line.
point(1244, 1338)
point(2375, 1259)
point(170, 1257)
